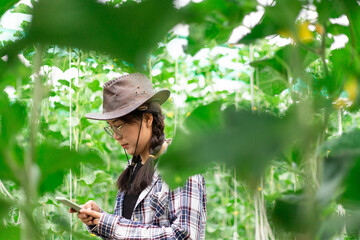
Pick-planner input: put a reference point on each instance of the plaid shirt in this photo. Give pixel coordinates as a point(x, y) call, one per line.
point(159, 213)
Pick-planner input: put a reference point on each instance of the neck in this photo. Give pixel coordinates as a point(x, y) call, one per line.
point(145, 155)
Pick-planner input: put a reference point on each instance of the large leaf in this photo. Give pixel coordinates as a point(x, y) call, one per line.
point(6, 5)
point(347, 143)
point(334, 9)
point(295, 213)
point(12, 119)
point(245, 140)
point(5, 207)
point(127, 32)
point(55, 162)
point(344, 167)
point(12, 71)
point(274, 71)
point(10, 232)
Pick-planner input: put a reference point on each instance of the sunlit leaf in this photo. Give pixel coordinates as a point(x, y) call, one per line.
point(22, 8)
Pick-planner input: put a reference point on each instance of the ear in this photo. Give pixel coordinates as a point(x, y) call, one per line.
point(148, 119)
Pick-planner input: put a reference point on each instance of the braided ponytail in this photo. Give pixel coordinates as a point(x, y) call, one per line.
point(144, 176)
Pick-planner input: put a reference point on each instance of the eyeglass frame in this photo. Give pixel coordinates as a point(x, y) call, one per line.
point(111, 130)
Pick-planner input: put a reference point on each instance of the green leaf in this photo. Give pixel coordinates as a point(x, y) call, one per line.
point(128, 31)
point(97, 177)
point(12, 71)
point(95, 86)
point(64, 82)
point(61, 106)
point(343, 166)
point(212, 21)
point(347, 143)
point(55, 162)
point(14, 155)
point(22, 8)
point(274, 72)
point(333, 9)
point(6, 5)
point(5, 207)
point(294, 213)
point(49, 134)
point(10, 232)
point(84, 122)
point(279, 18)
point(12, 119)
point(244, 140)
point(272, 82)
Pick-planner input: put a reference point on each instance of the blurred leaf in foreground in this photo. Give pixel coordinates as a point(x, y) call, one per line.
point(294, 213)
point(347, 149)
point(127, 32)
point(245, 140)
point(348, 142)
point(211, 22)
point(55, 162)
point(278, 19)
point(6, 5)
point(5, 206)
point(10, 232)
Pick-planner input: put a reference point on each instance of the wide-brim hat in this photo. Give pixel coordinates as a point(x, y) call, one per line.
point(125, 94)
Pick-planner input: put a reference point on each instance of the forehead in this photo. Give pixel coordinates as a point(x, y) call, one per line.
point(113, 121)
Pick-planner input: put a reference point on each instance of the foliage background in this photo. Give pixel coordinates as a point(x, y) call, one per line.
point(280, 153)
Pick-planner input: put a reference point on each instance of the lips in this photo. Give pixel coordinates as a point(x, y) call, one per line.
point(124, 145)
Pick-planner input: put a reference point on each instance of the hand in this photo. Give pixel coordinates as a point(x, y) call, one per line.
point(85, 218)
point(93, 216)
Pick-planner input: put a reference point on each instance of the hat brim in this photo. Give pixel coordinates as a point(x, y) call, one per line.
point(161, 96)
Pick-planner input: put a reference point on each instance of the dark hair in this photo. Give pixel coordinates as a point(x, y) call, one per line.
point(144, 176)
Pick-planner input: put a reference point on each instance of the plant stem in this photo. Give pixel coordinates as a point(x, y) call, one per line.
point(322, 53)
point(252, 78)
point(70, 141)
point(340, 131)
point(31, 175)
point(70, 193)
point(235, 233)
point(149, 66)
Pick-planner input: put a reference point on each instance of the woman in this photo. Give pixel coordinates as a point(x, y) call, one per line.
point(145, 207)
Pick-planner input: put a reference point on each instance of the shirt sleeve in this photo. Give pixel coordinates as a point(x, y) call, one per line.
point(188, 207)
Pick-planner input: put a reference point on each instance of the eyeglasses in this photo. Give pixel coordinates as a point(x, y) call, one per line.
point(111, 130)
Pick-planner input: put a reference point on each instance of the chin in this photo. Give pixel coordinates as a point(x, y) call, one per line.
point(130, 151)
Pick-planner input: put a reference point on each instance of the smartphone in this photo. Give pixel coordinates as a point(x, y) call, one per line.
point(69, 203)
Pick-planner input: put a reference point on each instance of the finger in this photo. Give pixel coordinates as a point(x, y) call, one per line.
point(71, 210)
point(89, 223)
point(85, 220)
point(82, 215)
point(96, 221)
point(90, 213)
point(88, 204)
